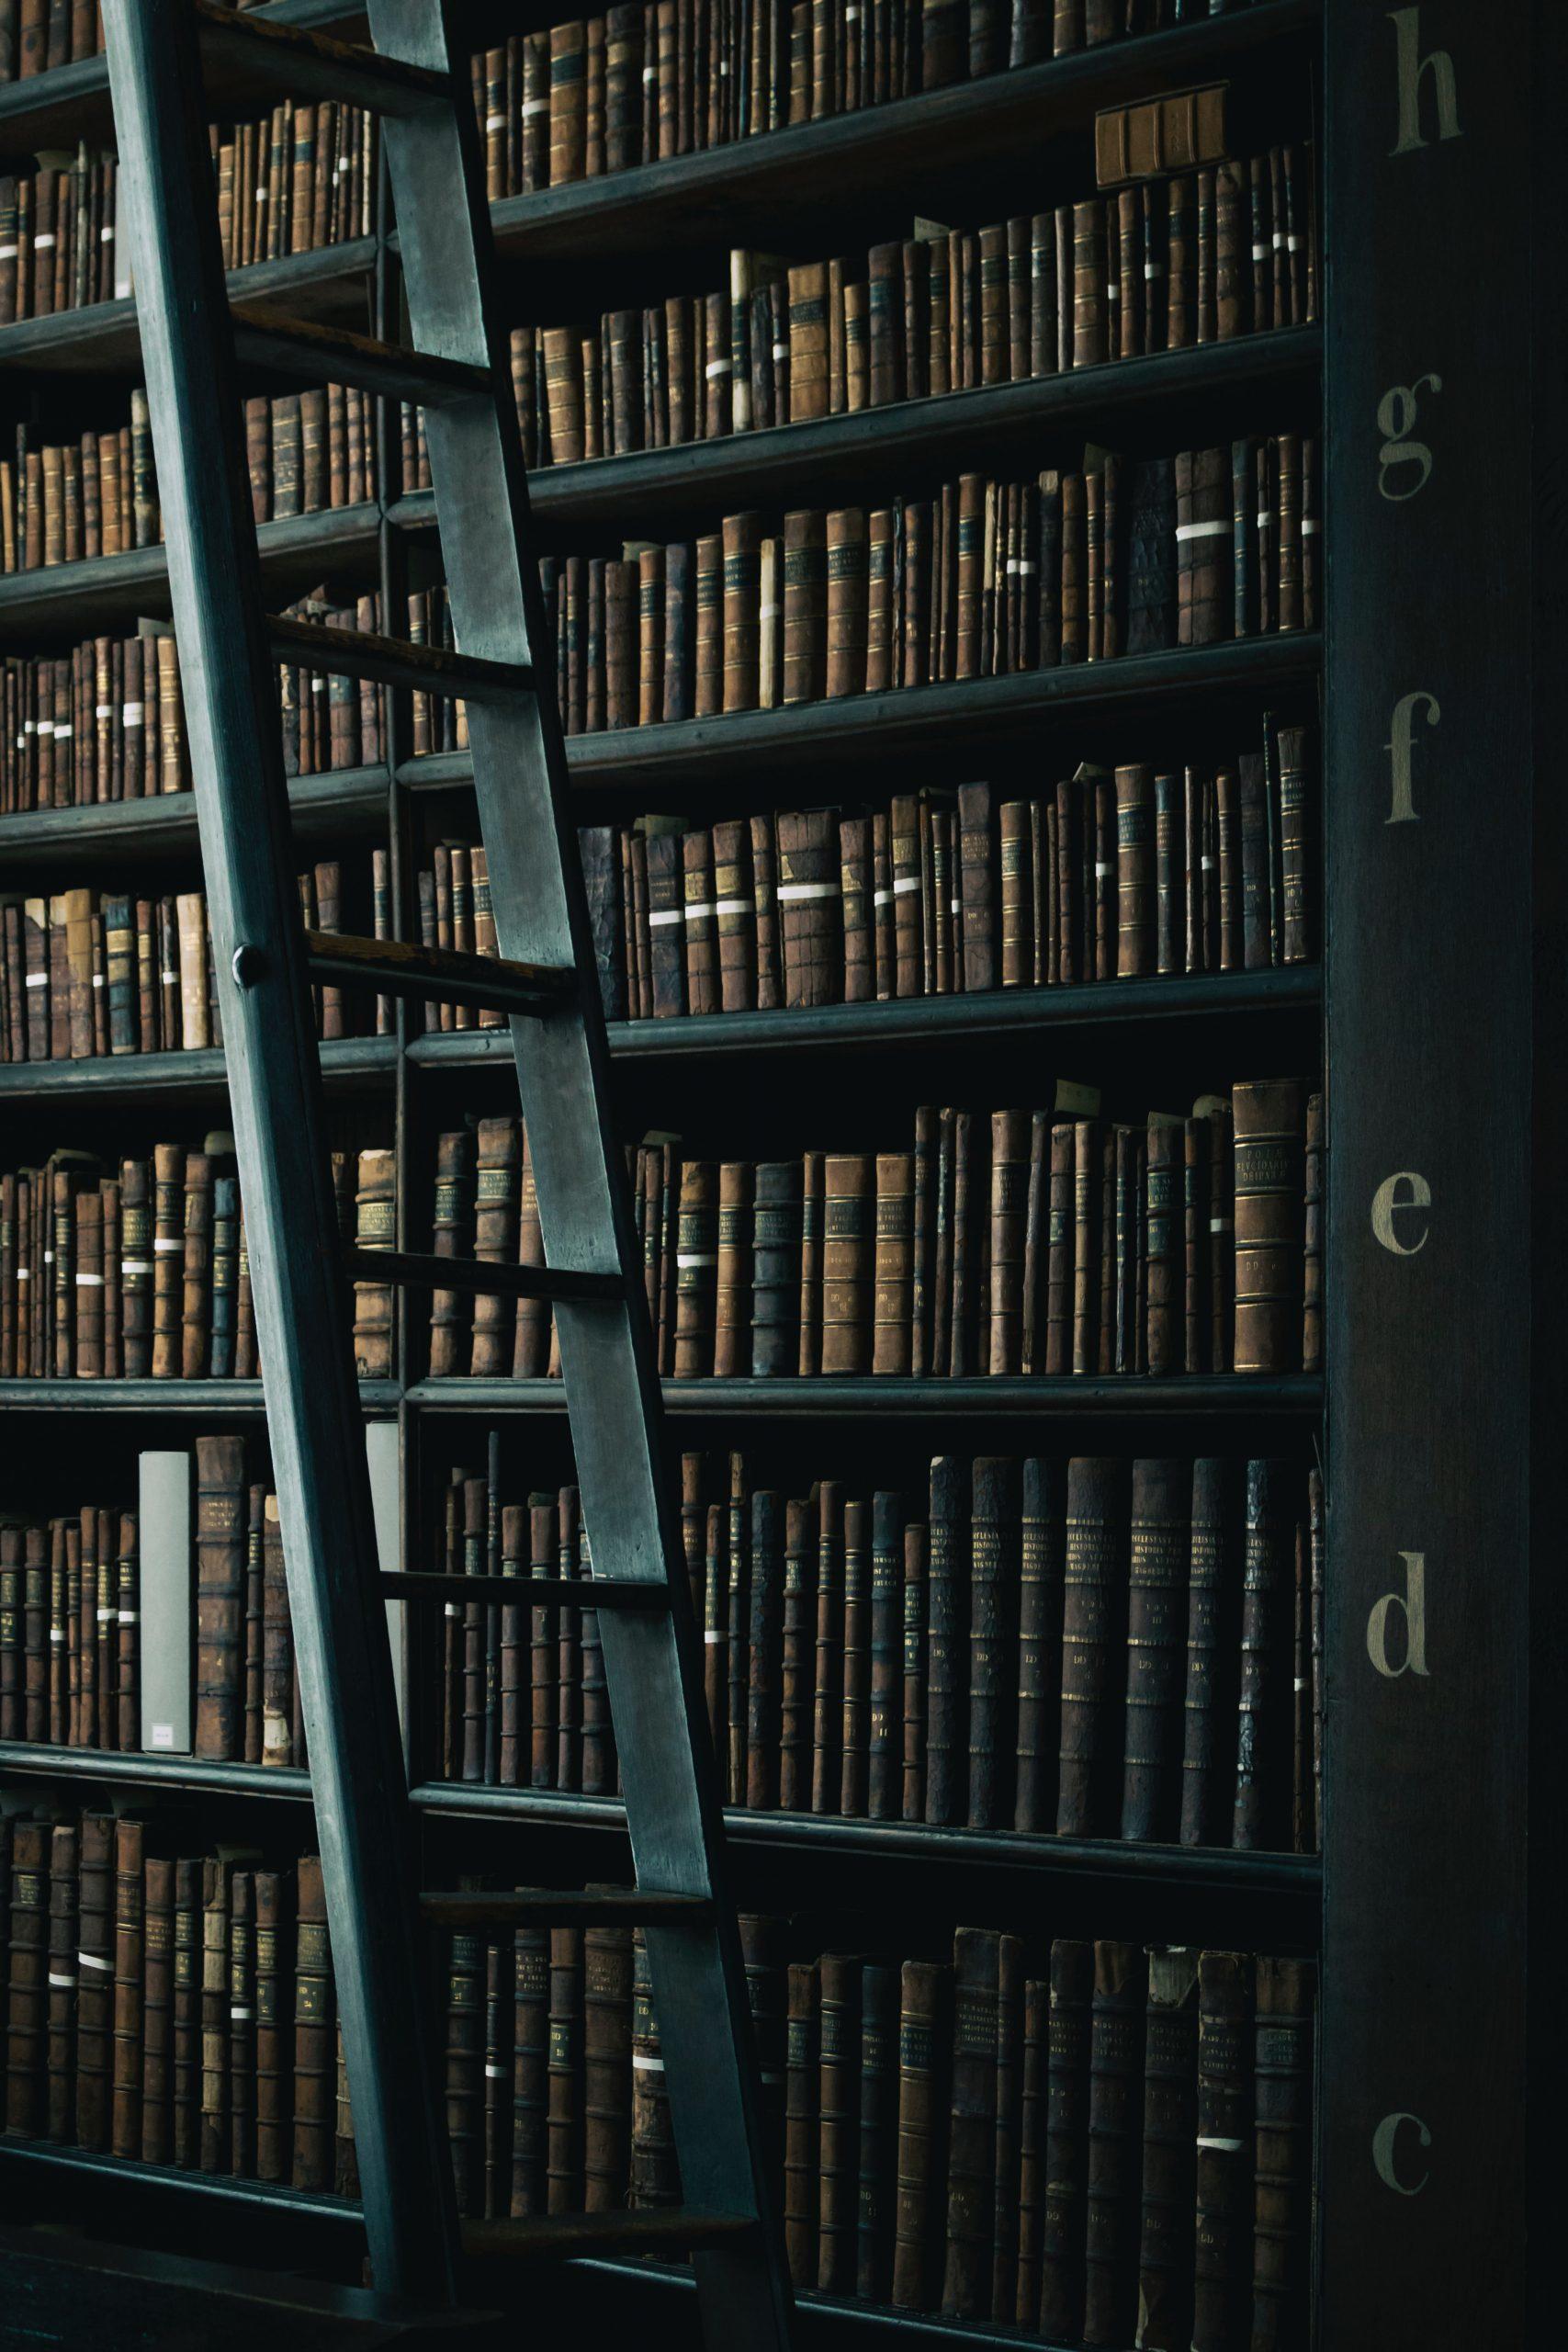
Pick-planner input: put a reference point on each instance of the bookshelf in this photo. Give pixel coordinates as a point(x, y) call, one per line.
point(1380, 1900)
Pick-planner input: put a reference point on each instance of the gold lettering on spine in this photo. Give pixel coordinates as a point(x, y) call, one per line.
point(1397, 411)
point(1393, 1198)
point(1412, 1606)
point(1411, 67)
point(1401, 749)
point(1385, 2151)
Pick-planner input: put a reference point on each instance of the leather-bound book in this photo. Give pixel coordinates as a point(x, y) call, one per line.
point(168, 1251)
point(697, 1268)
point(241, 2024)
point(1094, 1602)
point(606, 2056)
point(94, 1964)
point(846, 601)
point(809, 895)
point(12, 1632)
point(1212, 1592)
point(1088, 284)
point(969, 1230)
point(1022, 2308)
point(1203, 538)
point(764, 892)
point(655, 2169)
point(314, 2038)
point(971, 2172)
point(1165, 1321)
point(573, 1636)
point(666, 917)
point(534, 1343)
point(907, 929)
point(716, 1638)
point(271, 1891)
point(1223, 2245)
point(255, 1622)
point(893, 1268)
point(1116, 2052)
point(839, 2124)
point(734, 915)
point(1313, 1230)
point(220, 1520)
point(213, 2135)
point(808, 341)
point(1156, 1626)
point(764, 1650)
point(708, 583)
point(741, 536)
point(157, 2011)
point(848, 1219)
point(885, 1757)
point(736, 1608)
point(854, 1740)
point(805, 602)
point(376, 1214)
point(1169, 2126)
point(993, 1578)
point(1282, 2175)
point(828, 1696)
point(567, 102)
point(452, 1224)
point(1297, 830)
point(186, 2028)
point(680, 637)
point(564, 2176)
point(1135, 873)
point(1316, 1548)
point(797, 1677)
point(732, 1325)
point(1264, 1743)
point(977, 882)
point(61, 1971)
point(530, 2046)
point(802, 2126)
point(496, 1197)
point(125, 2124)
point(27, 2014)
point(879, 2085)
point(776, 1267)
point(1041, 1563)
point(925, 2001)
point(947, 1621)
point(855, 855)
point(697, 928)
point(1269, 1214)
point(1012, 1138)
point(1087, 1245)
point(1009, 2129)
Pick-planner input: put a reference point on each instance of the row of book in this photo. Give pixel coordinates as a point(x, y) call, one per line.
point(105, 721)
point(642, 82)
point(71, 1629)
point(98, 495)
point(85, 972)
point(1115, 875)
point(142, 1274)
point(1049, 1241)
point(1156, 268)
point(956, 1662)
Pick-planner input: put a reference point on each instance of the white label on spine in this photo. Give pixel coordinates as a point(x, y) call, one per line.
point(1202, 530)
point(1219, 1225)
point(63, 728)
point(708, 1636)
point(882, 897)
point(644, 2065)
point(663, 915)
point(162, 1737)
point(65, 1982)
point(168, 978)
point(90, 1282)
point(495, 2073)
point(163, 1245)
point(650, 74)
point(1264, 518)
point(236, 2011)
point(1309, 525)
point(1153, 269)
point(767, 612)
point(42, 244)
point(38, 980)
point(732, 906)
point(136, 1265)
point(90, 1958)
point(532, 107)
point(7, 252)
point(57, 1633)
point(1228, 2147)
point(131, 714)
point(106, 1616)
point(495, 122)
point(788, 890)
point(130, 1616)
point(1259, 253)
point(1027, 567)
point(105, 235)
point(718, 367)
point(781, 351)
point(1293, 242)
point(1207, 863)
point(905, 882)
point(696, 909)
point(1100, 867)
point(685, 1258)
point(98, 980)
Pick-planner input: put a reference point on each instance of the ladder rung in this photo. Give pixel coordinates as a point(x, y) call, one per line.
point(560, 1286)
point(393, 662)
point(531, 1592)
point(311, 353)
point(559, 2237)
point(398, 968)
point(617, 1907)
point(248, 56)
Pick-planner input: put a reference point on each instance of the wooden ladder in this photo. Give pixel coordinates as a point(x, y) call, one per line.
point(169, 61)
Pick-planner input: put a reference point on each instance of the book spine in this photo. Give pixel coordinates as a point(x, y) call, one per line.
point(1169, 2131)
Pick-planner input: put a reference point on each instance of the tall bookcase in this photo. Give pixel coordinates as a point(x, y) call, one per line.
point(1437, 675)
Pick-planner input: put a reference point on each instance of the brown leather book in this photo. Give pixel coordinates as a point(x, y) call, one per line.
point(1042, 1566)
point(1264, 1747)
point(498, 1183)
point(854, 1672)
point(855, 869)
point(696, 1268)
point(1021, 2306)
point(1089, 345)
point(1135, 873)
point(806, 597)
point(452, 1237)
point(27, 2015)
point(277, 1644)
point(797, 1675)
point(879, 2035)
point(1093, 1602)
point(567, 102)
point(764, 1650)
point(607, 2044)
point(846, 601)
point(95, 1963)
point(734, 915)
point(534, 1350)
point(655, 2168)
point(241, 2024)
point(1204, 532)
point(61, 2019)
point(913, 1806)
point(697, 927)
point(1212, 1601)
point(946, 1645)
point(1011, 1134)
point(925, 1996)
point(809, 377)
point(802, 2164)
point(314, 2039)
point(992, 1667)
point(838, 2114)
point(708, 570)
point(893, 1267)
point(1165, 1253)
point(213, 2133)
point(1169, 2126)
point(741, 554)
point(1116, 2050)
point(168, 1252)
point(220, 1520)
point(811, 1253)
point(849, 1214)
point(186, 2028)
point(810, 903)
point(1269, 1211)
point(732, 1315)
point(376, 1228)
point(827, 1693)
point(1285, 1998)
point(775, 1267)
point(273, 1921)
point(971, 2177)
point(764, 888)
point(125, 2127)
point(564, 2176)
point(1223, 2248)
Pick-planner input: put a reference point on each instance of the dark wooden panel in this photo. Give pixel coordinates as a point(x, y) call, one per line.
point(352, 800)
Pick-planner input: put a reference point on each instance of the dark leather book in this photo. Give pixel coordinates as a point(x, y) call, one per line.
point(220, 1572)
point(666, 917)
point(185, 2024)
point(607, 2041)
point(1211, 1614)
point(968, 1227)
point(452, 1237)
point(922, 1269)
point(1041, 1570)
point(655, 2169)
point(764, 892)
point(530, 2044)
point(708, 577)
point(1159, 1542)
point(601, 878)
point(497, 1194)
point(1009, 2129)
point(1282, 2175)
point(839, 2112)
point(856, 1661)
point(1313, 1232)
point(947, 1624)
point(1298, 829)
point(859, 978)
point(94, 1966)
point(1264, 1745)
point(971, 2173)
point(828, 1696)
point(697, 1268)
point(12, 1552)
point(570, 1634)
point(564, 2182)
point(27, 2015)
point(680, 635)
point(213, 2135)
point(798, 1682)
point(764, 1651)
point(241, 2024)
point(1223, 2245)
point(1255, 826)
point(925, 2008)
point(277, 1644)
point(737, 1614)
point(848, 1214)
point(272, 1907)
point(314, 2037)
point(124, 2117)
point(994, 1570)
point(1022, 2308)
point(533, 1352)
point(775, 1267)
point(463, 2065)
point(809, 896)
point(715, 1624)
point(892, 1311)
point(732, 1306)
point(879, 2087)
point(1169, 2125)
point(157, 2011)
point(977, 885)
point(1012, 1148)
point(1116, 2052)
point(1165, 1253)
point(1270, 1181)
point(885, 1744)
point(1317, 1545)
point(61, 1973)
point(763, 1947)
point(1204, 570)
point(1094, 1590)
point(1136, 945)
point(735, 915)
point(802, 2126)
point(696, 926)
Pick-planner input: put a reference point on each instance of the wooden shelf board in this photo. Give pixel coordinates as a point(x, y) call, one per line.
point(345, 1062)
point(207, 1398)
point(134, 1769)
point(206, 2183)
point(1298, 1395)
point(108, 832)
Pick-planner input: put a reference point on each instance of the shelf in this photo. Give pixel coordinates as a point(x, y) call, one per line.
point(787, 461)
point(1291, 1394)
point(133, 1768)
point(100, 592)
point(71, 103)
point(101, 339)
point(345, 801)
point(908, 1842)
point(206, 2184)
point(721, 195)
point(174, 1076)
point(377, 1398)
point(921, 1020)
point(914, 720)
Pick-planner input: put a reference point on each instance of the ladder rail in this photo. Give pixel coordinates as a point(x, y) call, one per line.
point(652, 1667)
point(340, 1644)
